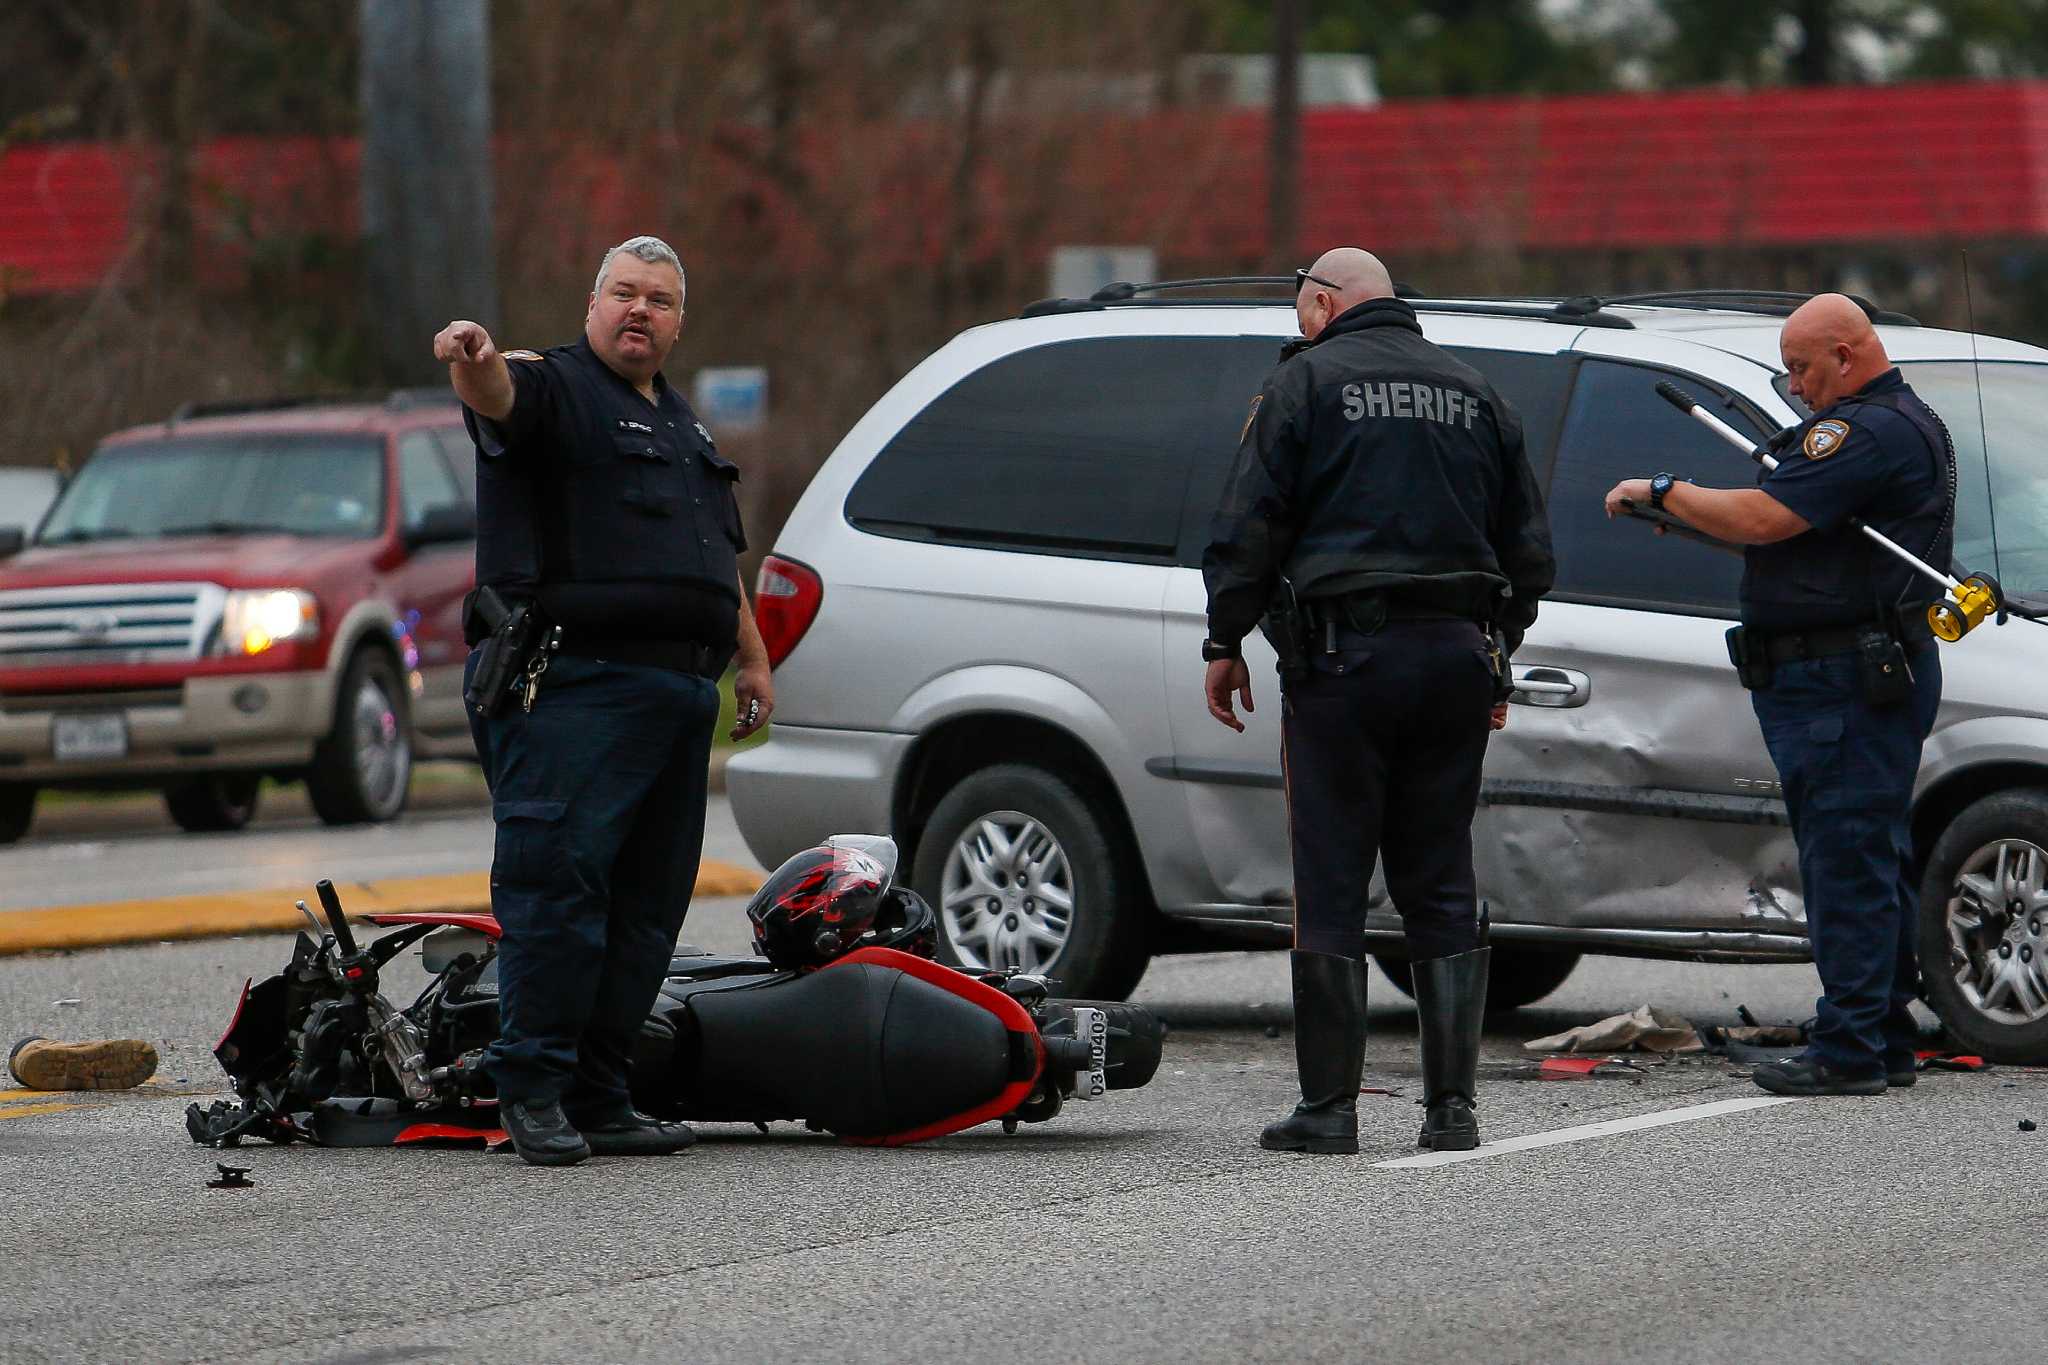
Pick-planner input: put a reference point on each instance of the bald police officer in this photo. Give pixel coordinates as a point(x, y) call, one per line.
point(1381, 485)
point(1844, 678)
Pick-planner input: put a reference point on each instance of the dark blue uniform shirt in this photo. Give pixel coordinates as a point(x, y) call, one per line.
point(1879, 456)
point(617, 513)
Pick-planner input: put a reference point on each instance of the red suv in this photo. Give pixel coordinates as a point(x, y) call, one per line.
point(244, 590)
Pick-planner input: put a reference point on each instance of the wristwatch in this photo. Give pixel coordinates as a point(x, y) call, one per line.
point(1659, 486)
point(1212, 650)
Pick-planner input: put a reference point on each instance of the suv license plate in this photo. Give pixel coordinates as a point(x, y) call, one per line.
point(88, 736)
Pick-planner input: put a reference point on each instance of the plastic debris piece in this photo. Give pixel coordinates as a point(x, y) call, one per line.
point(1936, 1061)
point(68, 1002)
point(1648, 1029)
point(2027, 1125)
point(231, 1177)
point(1578, 1068)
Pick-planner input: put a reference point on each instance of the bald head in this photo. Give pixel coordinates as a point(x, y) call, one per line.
point(1342, 279)
point(1830, 350)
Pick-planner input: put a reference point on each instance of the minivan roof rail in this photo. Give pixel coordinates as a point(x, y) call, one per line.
point(1769, 302)
point(1579, 312)
point(395, 399)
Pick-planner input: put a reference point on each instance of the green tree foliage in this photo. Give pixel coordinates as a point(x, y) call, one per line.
point(1466, 47)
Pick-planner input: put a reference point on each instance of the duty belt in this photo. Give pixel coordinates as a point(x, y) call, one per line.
point(1788, 646)
point(681, 656)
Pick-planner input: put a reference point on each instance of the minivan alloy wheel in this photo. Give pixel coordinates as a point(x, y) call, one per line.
point(1997, 923)
point(1007, 897)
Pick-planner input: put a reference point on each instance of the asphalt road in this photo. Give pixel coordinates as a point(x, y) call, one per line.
point(125, 853)
point(1148, 1227)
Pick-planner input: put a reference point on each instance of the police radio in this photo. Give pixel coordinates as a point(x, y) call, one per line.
point(1967, 602)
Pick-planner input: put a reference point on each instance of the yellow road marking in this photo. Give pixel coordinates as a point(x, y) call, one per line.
point(26, 1096)
point(22, 1111)
point(244, 912)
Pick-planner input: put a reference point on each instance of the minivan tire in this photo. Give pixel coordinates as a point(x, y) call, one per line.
point(362, 769)
point(215, 803)
point(2014, 820)
point(17, 810)
point(1514, 977)
point(1107, 947)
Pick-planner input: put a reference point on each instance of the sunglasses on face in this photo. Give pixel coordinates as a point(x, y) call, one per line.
point(1302, 280)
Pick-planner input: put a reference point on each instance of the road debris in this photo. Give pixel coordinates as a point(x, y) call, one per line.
point(1579, 1068)
point(231, 1177)
point(2027, 1125)
point(1646, 1029)
point(104, 1064)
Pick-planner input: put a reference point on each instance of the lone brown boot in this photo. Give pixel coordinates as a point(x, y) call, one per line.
point(111, 1064)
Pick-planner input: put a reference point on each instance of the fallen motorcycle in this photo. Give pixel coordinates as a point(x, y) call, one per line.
point(847, 1024)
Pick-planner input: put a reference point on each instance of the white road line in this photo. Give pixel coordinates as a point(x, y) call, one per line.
point(1660, 1119)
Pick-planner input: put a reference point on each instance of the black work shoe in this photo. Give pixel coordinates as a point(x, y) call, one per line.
point(1806, 1075)
point(632, 1133)
point(1901, 1075)
point(540, 1134)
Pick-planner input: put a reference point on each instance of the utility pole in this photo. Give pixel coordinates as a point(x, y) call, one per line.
point(428, 228)
point(1283, 164)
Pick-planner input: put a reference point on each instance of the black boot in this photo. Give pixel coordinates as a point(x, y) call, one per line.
point(1329, 1052)
point(1450, 996)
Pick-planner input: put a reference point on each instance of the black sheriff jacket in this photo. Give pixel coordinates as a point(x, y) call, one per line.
point(1375, 461)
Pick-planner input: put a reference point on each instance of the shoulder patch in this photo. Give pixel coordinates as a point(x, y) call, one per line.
point(1824, 438)
point(1250, 417)
point(522, 355)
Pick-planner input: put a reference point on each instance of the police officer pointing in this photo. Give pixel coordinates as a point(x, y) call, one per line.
point(1383, 510)
point(609, 603)
point(1835, 647)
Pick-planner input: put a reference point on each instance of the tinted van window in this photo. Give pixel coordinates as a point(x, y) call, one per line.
point(1535, 386)
point(1081, 447)
point(1618, 428)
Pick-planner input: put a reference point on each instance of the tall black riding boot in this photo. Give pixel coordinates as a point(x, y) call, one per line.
point(1329, 1052)
point(1450, 995)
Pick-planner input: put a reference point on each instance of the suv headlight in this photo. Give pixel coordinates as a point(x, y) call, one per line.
point(254, 619)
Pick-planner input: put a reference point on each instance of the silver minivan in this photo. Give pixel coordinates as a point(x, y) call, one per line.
point(986, 613)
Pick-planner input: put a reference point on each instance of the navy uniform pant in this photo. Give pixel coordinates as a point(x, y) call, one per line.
point(1382, 743)
point(598, 794)
point(1847, 769)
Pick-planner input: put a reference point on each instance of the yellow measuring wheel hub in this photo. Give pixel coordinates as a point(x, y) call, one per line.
point(1973, 600)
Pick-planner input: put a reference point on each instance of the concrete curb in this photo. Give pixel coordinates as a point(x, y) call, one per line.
point(226, 913)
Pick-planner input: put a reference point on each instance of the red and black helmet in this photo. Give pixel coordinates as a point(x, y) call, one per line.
point(819, 904)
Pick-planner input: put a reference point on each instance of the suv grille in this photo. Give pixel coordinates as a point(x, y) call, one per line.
point(123, 623)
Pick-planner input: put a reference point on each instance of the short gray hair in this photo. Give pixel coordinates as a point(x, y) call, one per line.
point(649, 249)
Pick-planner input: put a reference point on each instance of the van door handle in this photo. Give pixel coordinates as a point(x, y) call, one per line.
point(1540, 685)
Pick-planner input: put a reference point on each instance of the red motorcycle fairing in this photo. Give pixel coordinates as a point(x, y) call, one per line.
point(481, 921)
point(988, 997)
point(879, 1047)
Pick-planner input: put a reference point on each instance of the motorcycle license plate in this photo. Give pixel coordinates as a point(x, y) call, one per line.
point(1091, 1026)
point(86, 736)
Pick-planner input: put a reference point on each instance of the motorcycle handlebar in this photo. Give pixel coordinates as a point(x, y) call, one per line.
point(331, 903)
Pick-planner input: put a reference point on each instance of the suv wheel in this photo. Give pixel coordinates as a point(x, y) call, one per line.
point(1984, 927)
point(1025, 872)
point(362, 768)
point(1514, 978)
point(219, 801)
point(17, 809)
